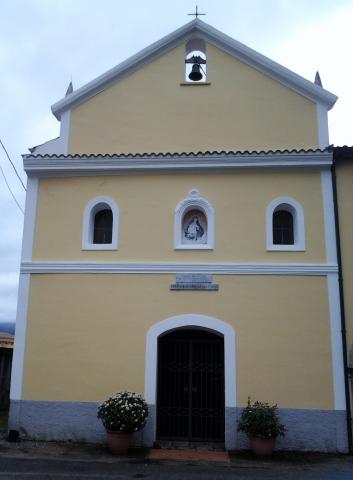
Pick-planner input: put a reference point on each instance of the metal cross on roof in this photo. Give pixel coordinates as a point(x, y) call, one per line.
point(196, 14)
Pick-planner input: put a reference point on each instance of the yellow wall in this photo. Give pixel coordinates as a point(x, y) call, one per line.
point(345, 201)
point(149, 111)
point(87, 334)
point(147, 205)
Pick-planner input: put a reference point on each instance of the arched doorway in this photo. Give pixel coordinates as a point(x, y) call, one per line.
point(190, 385)
point(192, 321)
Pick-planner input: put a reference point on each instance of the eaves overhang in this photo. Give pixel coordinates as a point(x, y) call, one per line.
point(121, 164)
point(214, 37)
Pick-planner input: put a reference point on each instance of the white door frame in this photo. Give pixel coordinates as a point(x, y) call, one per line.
point(191, 320)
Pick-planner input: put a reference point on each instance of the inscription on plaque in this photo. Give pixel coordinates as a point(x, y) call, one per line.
point(194, 281)
point(193, 278)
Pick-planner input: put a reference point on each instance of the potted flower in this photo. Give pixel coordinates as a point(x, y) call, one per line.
point(261, 423)
point(122, 414)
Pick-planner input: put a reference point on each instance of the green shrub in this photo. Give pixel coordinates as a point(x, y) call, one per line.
point(260, 420)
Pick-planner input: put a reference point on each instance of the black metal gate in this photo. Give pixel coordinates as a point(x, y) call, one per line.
point(190, 395)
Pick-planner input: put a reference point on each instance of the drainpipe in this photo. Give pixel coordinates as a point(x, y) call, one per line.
point(347, 371)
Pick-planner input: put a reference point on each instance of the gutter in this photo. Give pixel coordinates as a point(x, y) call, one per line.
point(347, 371)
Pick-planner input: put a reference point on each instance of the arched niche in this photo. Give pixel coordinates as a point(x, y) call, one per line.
point(194, 223)
point(195, 53)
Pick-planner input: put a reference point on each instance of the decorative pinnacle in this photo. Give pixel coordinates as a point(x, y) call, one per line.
point(70, 89)
point(318, 79)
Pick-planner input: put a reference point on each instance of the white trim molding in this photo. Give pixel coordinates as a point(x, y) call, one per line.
point(191, 202)
point(336, 342)
point(322, 126)
point(85, 165)
point(20, 337)
point(65, 131)
point(23, 290)
point(198, 321)
point(329, 216)
point(29, 224)
point(92, 208)
point(173, 268)
point(333, 292)
point(293, 206)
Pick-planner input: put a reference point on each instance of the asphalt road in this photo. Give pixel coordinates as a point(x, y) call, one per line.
point(53, 469)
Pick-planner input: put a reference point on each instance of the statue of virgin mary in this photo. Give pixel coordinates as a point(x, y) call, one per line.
point(194, 229)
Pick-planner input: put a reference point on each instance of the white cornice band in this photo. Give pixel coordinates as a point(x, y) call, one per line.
point(173, 268)
point(117, 165)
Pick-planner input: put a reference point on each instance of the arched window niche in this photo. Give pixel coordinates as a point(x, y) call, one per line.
point(194, 223)
point(100, 225)
point(285, 225)
point(195, 61)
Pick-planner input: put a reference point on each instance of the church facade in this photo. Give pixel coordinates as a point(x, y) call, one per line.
point(180, 241)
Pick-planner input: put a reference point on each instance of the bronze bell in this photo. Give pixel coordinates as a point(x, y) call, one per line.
point(195, 74)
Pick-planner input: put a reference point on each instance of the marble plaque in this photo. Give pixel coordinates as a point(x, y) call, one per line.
point(193, 278)
point(194, 281)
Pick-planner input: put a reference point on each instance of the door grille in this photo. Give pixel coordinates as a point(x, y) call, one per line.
point(190, 395)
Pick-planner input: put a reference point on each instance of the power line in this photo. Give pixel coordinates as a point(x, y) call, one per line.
point(13, 166)
point(8, 186)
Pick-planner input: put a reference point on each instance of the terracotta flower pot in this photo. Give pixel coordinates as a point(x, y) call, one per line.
point(263, 446)
point(119, 442)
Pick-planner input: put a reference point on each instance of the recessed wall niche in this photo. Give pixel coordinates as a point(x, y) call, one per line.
point(194, 226)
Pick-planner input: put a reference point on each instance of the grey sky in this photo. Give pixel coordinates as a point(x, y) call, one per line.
point(45, 42)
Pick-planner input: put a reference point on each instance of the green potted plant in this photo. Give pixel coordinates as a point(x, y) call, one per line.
point(261, 423)
point(122, 414)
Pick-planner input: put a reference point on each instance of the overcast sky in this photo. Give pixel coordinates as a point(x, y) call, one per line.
point(45, 43)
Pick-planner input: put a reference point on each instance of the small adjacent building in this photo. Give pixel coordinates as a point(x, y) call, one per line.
point(180, 241)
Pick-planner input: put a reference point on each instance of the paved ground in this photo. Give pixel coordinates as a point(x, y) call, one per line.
point(62, 461)
point(60, 469)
